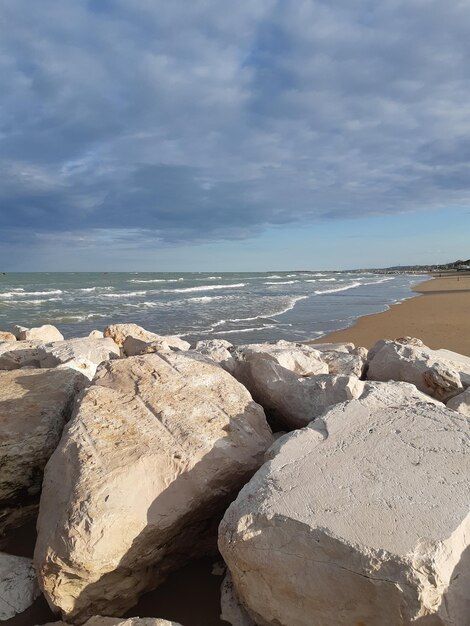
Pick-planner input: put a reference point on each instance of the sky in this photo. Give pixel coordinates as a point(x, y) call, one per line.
point(251, 135)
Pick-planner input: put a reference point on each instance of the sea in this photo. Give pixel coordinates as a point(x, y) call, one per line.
point(240, 307)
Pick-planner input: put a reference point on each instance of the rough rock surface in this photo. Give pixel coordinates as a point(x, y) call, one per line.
point(94, 350)
point(34, 406)
point(96, 334)
point(135, 347)
point(121, 621)
point(460, 403)
point(6, 336)
point(232, 611)
point(119, 332)
point(343, 364)
point(157, 446)
point(415, 363)
point(346, 347)
point(360, 518)
point(17, 354)
point(216, 349)
point(84, 366)
point(298, 358)
point(18, 585)
point(44, 333)
point(293, 400)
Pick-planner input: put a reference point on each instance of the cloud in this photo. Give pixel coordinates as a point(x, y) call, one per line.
point(207, 121)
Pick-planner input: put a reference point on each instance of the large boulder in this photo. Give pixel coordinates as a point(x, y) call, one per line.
point(44, 333)
point(18, 585)
point(17, 354)
point(360, 518)
point(80, 354)
point(129, 621)
point(231, 610)
point(344, 364)
point(460, 403)
point(217, 349)
point(156, 448)
point(296, 357)
point(410, 361)
point(34, 406)
point(136, 347)
point(6, 336)
point(119, 332)
point(292, 400)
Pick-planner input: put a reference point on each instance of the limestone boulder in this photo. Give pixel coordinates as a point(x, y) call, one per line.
point(34, 406)
point(157, 447)
point(231, 610)
point(135, 347)
point(6, 336)
point(119, 332)
point(412, 362)
point(17, 354)
point(292, 400)
point(96, 334)
point(44, 333)
point(217, 349)
point(82, 365)
point(18, 585)
point(460, 403)
point(346, 347)
point(362, 517)
point(344, 363)
point(298, 358)
point(90, 350)
point(122, 621)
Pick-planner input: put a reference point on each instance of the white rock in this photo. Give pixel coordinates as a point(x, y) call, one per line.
point(460, 403)
point(344, 364)
point(121, 621)
point(90, 350)
point(415, 363)
point(293, 400)
point(6, 336)
point(341, 346)
point(360, 518)
point(18, 585)
point(96, 334)
point(135, 347)
point(298, 358)
point(119, 332)
point(82, 365)
point(44, 333)
point(34, 406)
point(216, 349)
point(231, 610)
point(157, 446)
point(17, 354)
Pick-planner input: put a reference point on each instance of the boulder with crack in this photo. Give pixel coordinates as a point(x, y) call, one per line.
point(217, 349)
point(17, 354)
point(439, 373)
point(292, 400)
point(156, 448)
point(34, 406)
point(360, 518)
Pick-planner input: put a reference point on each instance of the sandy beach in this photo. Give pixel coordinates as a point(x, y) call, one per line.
point(439, 316)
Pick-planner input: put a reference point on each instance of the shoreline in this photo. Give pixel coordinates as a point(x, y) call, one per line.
point(438, 314)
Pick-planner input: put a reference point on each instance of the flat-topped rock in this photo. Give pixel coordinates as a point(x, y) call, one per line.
point(93, 350)
point(217, 349)
point(135, 347)
point(292, 399)
point(45, 333)
point(156, 448)
point(360, 518)
point(34, 406)
point(18, 585)
point(410, 361)
point(342, 346)
point(119, 332)
point(343, 363)
point(298, 358)
point(17, 354)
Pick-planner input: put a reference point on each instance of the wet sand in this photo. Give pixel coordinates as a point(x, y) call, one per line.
point(439, 316)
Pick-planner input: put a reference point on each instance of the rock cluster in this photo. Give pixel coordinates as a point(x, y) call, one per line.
point(137, 445)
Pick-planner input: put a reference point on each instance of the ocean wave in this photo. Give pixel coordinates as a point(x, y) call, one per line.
point(20, 294)
point(156, 280)
point(286, 282)
point(382, 280)
point(265, 315)
point(205, 299)
point(325, 280)
point(36, 301)
point(345, 288)
point(127, 294)
point(97, 288)
point(8, 294)
point(204, 288)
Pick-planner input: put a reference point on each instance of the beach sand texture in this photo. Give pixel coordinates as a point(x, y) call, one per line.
point(440, 317)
